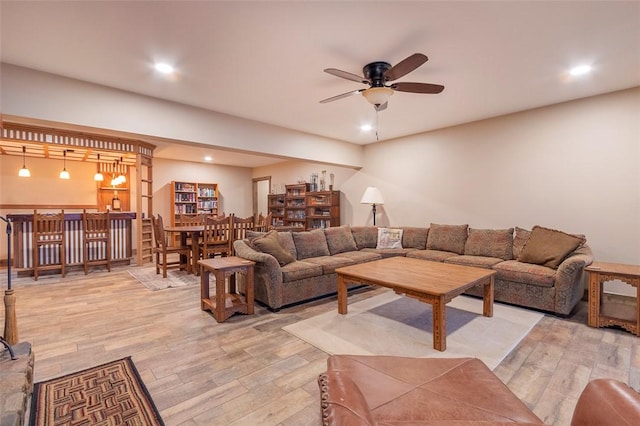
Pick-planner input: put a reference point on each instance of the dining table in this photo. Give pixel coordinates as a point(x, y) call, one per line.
point(195, 233)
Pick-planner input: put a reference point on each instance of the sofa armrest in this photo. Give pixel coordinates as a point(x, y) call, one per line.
point(605, 402)
point(571, 279)
point(268, 274)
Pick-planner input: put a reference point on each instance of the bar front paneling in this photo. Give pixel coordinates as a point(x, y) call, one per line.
point(121, 240)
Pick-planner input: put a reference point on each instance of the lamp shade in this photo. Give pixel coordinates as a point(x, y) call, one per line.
point(372, 196)
point(377, 95)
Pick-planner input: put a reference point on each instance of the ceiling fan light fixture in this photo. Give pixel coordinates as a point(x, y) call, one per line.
point(377, 95)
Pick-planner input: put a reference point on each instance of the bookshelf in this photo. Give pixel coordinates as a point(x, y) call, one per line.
point(299, 209)
point(193, 198)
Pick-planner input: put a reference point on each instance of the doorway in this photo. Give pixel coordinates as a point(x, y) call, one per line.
point(261, 186)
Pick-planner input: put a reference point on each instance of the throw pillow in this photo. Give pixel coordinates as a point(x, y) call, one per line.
point(269, 243)
point(340, 239)
point(447, 237)
point(490, 243)
point(548, 247)
point(389, 238)
point(310, 244)
point(522, 235)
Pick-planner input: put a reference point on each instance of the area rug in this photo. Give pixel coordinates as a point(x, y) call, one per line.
point(147, 276)
point(389, 324)
point(108, 394)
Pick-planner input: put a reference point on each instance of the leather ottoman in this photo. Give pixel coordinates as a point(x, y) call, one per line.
point(385, 390)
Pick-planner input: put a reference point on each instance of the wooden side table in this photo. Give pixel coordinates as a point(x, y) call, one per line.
point(618, 314)
point(224, 304)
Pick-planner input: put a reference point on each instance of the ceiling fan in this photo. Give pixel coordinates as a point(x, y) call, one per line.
point(378, 74)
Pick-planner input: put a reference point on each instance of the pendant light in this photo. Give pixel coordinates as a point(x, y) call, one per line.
point(24, 172)
point(98, 176)
point(122, 178)
point(64, 174)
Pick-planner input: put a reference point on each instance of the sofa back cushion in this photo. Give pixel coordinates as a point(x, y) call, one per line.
point(286, 241)
point(447, 237)
point(548, 247)
point(270, 243)
point(490, 243)
point(413, 237)
point(310, 244)
point(521, 237)
point(340, 239)
point(365, 236)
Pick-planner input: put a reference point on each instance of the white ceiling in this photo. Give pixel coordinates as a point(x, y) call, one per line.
point(264, 60)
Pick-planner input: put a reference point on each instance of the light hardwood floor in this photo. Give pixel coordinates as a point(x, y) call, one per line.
point(248, 371)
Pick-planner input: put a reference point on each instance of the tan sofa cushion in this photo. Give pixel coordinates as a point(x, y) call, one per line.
point(310, 244)
point(548, 247)
point(340, 239)
point(490, 243)
point(269, 243)
point(365, 236)
point(447, 237)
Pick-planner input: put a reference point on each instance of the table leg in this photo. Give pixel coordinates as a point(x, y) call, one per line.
point(342, 295)
point(487, 299)
point(204, 288)
point(219, 313)
point(195, 252)
point(595, 293)
point(183, 243)
point(249, 291)
point(439, 324)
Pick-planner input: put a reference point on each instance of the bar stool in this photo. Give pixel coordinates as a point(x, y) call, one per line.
point(49, 242)
point(96, 231)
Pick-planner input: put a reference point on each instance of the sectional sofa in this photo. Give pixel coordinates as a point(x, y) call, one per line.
point(540, 268)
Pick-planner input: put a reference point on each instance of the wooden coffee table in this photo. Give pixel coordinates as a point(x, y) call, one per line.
point(434, 283)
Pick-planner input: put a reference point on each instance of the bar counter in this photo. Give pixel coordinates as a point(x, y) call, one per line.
point(121, 239)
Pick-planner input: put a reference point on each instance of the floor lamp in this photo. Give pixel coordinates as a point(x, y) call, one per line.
point(372, 196)
point(10, 324)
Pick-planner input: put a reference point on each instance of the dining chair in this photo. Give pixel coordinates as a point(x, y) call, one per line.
point(96, 242)
point(191, 219)
point(216, 238)
point(264, 222)
point(241, 226)
point(48, 242)
point(163, 249)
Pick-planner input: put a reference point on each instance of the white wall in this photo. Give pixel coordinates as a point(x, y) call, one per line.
point(43, 96)
point(573, 166)
point(234, 184)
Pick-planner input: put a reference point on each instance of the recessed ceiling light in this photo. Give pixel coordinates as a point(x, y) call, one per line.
point(366, 127)
point(580, 70)
point(208, 158)
point(164, 68)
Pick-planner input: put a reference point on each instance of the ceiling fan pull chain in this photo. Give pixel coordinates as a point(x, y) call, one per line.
point(378, 139)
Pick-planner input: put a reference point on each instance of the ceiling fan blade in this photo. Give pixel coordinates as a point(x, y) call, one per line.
point(417, 87)
point(405, 66)
point(347, 75)
point(380, 107)
point(344, 95)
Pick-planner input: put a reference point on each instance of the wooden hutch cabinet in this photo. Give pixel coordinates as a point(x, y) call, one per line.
point(275, 205)
point(323, 209)
point(295, 206)
point(299, 209)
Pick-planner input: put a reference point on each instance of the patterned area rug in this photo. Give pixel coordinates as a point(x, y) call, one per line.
point(147, 276)
point(108, 394)
point(389, 324)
